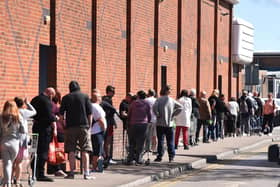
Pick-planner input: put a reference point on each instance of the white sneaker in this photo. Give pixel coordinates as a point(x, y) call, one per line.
point(270, 134)
point(112, 161)
point(89, 177)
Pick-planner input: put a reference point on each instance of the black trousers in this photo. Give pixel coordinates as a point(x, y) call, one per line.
point(136, 138)
point(268, 120)
point(45, 137)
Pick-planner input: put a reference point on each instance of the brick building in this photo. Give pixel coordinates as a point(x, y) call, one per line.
point(129, 44)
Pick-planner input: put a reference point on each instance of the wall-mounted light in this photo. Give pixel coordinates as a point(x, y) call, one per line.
point(165, 48)
point(224, 13)
point(161, 1)
point(47, 19)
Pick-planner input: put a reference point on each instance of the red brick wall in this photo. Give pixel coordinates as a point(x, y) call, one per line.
point(168, 20)
point(207, 46)
point(22, 30)
point(73, 40)
point(189, 44)
point(111, 54)
point(111, 46)
point(142, 48)
point(223, 46)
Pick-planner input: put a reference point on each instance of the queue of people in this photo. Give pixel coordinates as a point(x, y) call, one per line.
point(88, 126)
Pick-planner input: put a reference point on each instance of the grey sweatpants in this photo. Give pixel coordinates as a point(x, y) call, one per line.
point(9, 153)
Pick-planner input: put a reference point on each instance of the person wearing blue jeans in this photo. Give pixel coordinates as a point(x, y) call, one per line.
point(165, 109)
point(169, 133)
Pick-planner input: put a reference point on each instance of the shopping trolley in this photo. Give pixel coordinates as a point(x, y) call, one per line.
point(32, 151)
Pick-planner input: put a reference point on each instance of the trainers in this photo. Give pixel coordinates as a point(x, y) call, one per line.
point(89, 177)
point(60, 173)
point(158, 159)
point(112, 161)
point(186, 147)
point(171, 159)
point(45, 179)
point(69, 176)
point(176, 146)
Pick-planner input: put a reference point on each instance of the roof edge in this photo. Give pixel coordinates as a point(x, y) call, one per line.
point(233, 2)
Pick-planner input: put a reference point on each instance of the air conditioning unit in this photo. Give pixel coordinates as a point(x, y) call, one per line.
point(242, 41)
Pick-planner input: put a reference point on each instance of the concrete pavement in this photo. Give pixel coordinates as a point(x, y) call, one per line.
point(247, 169)
point(127, 176)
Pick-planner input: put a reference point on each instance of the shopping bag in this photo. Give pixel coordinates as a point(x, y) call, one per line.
point(56, 152)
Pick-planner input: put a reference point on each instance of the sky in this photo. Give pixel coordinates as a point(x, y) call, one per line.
point(265, 16)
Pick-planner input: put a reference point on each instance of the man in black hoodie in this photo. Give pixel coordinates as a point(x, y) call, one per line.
point(76, 107)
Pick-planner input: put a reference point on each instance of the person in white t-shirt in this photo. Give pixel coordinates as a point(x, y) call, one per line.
point(98, 129)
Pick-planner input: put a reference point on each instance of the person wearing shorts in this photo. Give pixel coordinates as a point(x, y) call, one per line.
point(76, 108)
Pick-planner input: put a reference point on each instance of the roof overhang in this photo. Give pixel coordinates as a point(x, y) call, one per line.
point(233, 2)
point(267, 53)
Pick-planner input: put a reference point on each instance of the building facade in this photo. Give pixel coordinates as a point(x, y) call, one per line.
point(129, 44)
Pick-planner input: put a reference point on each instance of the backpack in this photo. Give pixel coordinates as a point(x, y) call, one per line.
point(255, 104)
point(244, 106)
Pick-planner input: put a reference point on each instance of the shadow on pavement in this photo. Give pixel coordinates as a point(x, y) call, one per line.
point(209, 158)
point(250, 163)
point(234, 175)
point(152, 169)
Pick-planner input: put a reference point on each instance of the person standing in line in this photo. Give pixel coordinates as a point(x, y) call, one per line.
point(139, 115)
point(44, 123)
point(214, 102)
point(123, 110)
point(151, 140)
point(245, 107)
point(268, 114)
point(98, 129)
point(183, 119)
point(205, 116)
point(259, 111)
point(194, 117)
point(56, 102)
point(11, 124)
point(76, 108)
point(233, 108)
point(26, 114)
point(165, 109)
point(222, 110)
point(107, 105)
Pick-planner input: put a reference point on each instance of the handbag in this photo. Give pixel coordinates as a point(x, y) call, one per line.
point(56, 152)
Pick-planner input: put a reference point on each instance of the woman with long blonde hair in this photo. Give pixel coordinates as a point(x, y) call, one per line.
point(10, 129)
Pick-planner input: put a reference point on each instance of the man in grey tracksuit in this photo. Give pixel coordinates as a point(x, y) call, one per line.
point(165, 108)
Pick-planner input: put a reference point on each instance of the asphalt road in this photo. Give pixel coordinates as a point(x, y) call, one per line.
point(248, 169)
